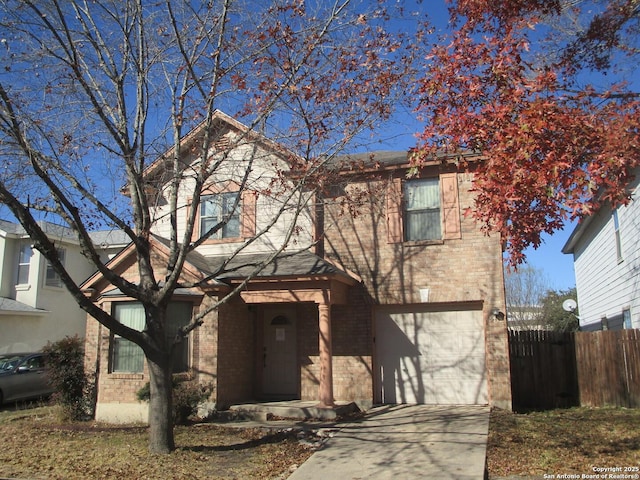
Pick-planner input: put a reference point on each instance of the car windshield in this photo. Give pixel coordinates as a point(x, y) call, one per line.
point(9, 362)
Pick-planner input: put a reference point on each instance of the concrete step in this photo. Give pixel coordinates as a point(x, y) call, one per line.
point(291, 410)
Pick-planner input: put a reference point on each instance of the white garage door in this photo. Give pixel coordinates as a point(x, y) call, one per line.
point(430, 357)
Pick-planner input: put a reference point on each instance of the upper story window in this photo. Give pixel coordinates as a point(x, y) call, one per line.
point(422, 210)
point(217, 209)
point(24, 261)
point(52, 279)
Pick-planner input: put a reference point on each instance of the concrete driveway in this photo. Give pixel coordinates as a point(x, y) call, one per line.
point(404, 442)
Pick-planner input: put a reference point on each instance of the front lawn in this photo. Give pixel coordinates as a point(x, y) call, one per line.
point(564, 442)
point(553, 443)
point(35, 445)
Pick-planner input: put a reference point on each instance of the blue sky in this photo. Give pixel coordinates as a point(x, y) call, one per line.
point(555, 265)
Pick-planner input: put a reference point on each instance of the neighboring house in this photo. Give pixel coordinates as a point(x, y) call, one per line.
point(395, 304)
point(35, 308)
point(606, 259)
point(526, 317)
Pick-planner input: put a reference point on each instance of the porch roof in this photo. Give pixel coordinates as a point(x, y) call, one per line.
point(289, 265)
point(289, 277)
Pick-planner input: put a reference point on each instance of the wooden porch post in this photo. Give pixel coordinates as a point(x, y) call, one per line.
point(326, 360)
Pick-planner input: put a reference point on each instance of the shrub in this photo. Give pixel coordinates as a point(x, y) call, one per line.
point(187, 395)
point(65, 370)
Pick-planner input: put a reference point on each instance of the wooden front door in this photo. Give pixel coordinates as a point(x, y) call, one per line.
point(280, 354)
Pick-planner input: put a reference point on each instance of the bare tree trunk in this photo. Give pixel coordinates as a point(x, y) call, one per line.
point(160, 405)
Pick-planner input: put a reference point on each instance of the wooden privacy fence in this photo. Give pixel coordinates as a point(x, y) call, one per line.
point(554, 370)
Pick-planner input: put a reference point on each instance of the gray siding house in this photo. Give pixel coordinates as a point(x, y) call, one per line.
point(606, 258)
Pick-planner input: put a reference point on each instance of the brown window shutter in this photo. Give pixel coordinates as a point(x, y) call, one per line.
point(248, 214)
point(394, 211)
point(450, 206)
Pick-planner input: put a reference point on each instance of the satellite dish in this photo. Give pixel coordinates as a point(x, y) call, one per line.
point(569, 305)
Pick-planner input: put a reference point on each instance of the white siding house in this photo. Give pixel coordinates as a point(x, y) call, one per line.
point(606, 256)
point(35, 308)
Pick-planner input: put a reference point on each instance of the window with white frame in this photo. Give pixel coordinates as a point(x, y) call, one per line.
point(626, 318)
point(616, 228)
point(127, 357)
point(219, 209)
point(52, 279)
point(24, 262)
point(422, 210)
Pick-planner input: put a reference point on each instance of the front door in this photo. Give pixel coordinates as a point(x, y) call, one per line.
point(280, 355)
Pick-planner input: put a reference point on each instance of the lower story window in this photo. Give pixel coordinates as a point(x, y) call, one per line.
point(127, 357)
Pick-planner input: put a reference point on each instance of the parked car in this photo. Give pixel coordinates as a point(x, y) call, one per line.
point(22, 377)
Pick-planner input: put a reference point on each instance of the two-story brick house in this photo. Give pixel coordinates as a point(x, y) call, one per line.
point(393, 302)
point(35, 308)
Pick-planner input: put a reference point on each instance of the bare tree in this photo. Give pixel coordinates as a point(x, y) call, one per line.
point(98, 98)
point(525, 289)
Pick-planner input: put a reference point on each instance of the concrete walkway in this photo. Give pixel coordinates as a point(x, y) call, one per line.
point(405, 442)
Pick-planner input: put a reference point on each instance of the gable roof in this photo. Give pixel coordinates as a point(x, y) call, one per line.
point(286, 266)
point(110, 238)
point(100, 238)
point(51, 229)
point(395, 159)
point(219, 118)
point(585, 222)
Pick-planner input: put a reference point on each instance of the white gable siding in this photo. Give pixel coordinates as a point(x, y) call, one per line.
point(605, 285)
point(270, 199)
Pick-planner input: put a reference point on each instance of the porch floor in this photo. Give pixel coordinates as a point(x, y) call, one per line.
point(293, 409)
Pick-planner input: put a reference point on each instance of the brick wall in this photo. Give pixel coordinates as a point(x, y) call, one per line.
point(113, 387)
point(352, 345)
point(308, 347)
point(457, 270)
point(236, 349)
point(122, 387)
point(204, 347)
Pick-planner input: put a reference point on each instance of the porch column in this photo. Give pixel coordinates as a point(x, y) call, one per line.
point(326, 360)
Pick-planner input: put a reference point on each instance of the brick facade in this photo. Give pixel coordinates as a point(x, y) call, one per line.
point(236, 353)
point(467, 269)
point(226, 349)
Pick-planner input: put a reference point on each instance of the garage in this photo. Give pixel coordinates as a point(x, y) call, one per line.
point(430, 355)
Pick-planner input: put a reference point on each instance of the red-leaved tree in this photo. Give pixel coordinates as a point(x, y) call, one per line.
point(512, 83)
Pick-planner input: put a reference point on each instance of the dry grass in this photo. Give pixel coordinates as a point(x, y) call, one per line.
point(35, 445)
point(572, 441)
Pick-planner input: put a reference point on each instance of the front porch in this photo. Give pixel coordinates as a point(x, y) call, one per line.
point(293, 332)
point(287, 312)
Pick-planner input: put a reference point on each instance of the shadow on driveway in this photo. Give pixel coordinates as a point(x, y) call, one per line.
point(404, 442)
